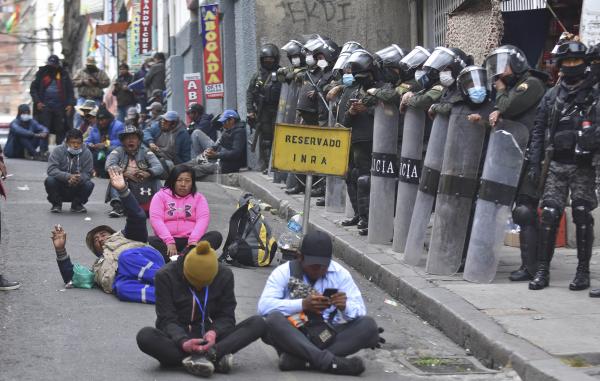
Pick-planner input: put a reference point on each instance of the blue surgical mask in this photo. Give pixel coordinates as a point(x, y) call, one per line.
point(477, 94)
point(74, 151)
point(347, 79)
point(26, 117)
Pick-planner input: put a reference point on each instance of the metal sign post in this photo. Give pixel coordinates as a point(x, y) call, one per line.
point(305, 216)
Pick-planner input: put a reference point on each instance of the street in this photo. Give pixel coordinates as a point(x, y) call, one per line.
point(49, 333)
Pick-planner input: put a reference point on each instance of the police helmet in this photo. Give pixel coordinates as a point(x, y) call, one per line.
point(506, 55)
point(269, 50)
point(414, 59)
point(571, 49)
point(390, 56)
point(471, 76)
point(348, 48)
point(593, 53)
point(360, 61)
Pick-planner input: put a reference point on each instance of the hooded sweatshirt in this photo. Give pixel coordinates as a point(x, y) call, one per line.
point(173, 216)
point(61, 163)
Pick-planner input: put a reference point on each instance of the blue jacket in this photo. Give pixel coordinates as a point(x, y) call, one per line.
point(114, 128)
point(183, 142)
point(23, 130)
point(204, 124)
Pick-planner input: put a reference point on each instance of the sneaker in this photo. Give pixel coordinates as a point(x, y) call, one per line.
point(225, 364)
point(5, 285)
point(117, 210)
point(198, 365)
point(347, 366)
point(289, 362)
point(56, 208)
point(78, 208)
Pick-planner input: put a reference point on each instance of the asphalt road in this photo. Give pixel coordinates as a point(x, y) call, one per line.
point(49, 333)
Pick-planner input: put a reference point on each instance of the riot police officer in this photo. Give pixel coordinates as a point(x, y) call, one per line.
point(565, 115)
point(262, 98)
point(518, 94)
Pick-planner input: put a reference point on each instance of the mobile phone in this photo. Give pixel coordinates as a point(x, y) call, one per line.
point(329, 292)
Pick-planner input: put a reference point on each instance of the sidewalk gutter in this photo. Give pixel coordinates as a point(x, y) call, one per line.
point(443, 309)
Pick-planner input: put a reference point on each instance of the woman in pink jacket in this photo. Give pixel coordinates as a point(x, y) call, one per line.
point(179, 215)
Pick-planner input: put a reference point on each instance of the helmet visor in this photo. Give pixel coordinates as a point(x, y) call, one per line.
point(472, 76)
point(351, 46)
point(440, 59)
point(292, 48)
point(347, 50)
point(314, 44)
point(415, 58)
point(390, 55)
point(360, 61)
point(496, 64)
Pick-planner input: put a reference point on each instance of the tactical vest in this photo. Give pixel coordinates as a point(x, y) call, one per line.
point(105, 268)
point(268, 88)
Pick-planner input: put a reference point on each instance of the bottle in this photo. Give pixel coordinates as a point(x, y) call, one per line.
point(295, 223)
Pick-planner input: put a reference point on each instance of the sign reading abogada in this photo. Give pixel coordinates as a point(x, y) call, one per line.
point(311, 149)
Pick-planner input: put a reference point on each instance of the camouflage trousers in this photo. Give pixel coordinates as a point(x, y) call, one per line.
point(563, 178)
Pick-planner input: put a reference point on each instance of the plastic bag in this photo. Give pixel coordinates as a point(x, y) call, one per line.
point(82, 277)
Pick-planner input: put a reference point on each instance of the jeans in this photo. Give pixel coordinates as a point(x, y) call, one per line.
point(78, 118)
point(213, 237)
point(200, 142)
point(30, 145)
point(59, 192)
point(55, 121)
point(157, 344)
point(350, 338)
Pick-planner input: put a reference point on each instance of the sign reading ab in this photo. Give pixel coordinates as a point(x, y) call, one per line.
point(311, 149)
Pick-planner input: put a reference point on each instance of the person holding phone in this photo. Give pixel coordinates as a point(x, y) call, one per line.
point(315, 313)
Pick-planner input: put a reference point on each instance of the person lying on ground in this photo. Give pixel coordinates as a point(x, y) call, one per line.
point(195, 316)
point(315, 312)
point(70, 168)
point(125, 263)
point(179, 215)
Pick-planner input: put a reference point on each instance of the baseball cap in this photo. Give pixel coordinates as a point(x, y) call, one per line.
point(228, 114)
point(156, 106)
point(316, 248)
point(170, 116)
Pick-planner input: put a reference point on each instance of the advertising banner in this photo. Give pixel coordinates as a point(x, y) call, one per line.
point(213, 62)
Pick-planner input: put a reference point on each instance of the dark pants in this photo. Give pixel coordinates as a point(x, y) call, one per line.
point(213, 237)
point(22, 144)
point(157, 344)
point(351, 337)
point(59, 192)
point(99, 158)
point(55, 122)
point(359, 165)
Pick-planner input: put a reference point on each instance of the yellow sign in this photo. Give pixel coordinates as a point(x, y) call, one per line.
point(311, 149)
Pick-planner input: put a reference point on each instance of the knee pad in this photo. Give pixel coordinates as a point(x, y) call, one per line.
point(364, 182)
point(524, 215)
point(551, 216)
point(582, 213)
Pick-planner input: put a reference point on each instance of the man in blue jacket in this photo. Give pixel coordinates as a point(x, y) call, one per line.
point(103, 138)
point(26, 136)
point(169, 140)
point(200, 120)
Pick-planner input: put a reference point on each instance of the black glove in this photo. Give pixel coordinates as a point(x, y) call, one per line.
point(381, 340)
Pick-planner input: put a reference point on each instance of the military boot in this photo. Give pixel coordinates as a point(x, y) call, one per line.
point(528, 237)
point(547, 237)
point(584, 234)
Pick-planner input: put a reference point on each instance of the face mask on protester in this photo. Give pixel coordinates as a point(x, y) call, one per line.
point(296, 61)
point(573, 72)
point(26, 117)
point(310, 60)
point(74, 151)
point(322, 64)
point(347, 79)
point(477, 94)
point(446, 78)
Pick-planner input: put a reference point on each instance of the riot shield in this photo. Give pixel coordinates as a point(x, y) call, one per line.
point(286, 113)
point(281, 107)
point(496, 194)
point(384, 172)
point(456, 191)
point(430, 176)
point(335, 187)
point(292, 102)
point(409, 174)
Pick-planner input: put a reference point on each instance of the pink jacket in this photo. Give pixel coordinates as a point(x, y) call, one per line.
point(173, 216)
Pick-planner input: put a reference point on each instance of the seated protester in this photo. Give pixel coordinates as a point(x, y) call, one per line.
point(103, 138)
point(179, 215)
point(169, 140)
point(156, 96)
point(153, 118)
point(70, 169)
point(132, 118)
point(195, 316)
point(296, 292)
point(230, 149)
point(201, 121)
point(125, 263)
point(140, 167)
point(88, 111)
point(25, 136)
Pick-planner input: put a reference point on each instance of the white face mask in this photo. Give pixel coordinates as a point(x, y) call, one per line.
point(295, 61)
point(446, 78)
point(26, 117)
point(322, 64)
point(310, 60)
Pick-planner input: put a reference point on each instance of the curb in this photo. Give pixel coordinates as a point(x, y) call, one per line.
point(451, 314)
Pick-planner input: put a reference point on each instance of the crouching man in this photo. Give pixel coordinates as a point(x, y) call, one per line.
point(195, 316)
point(315, 312)
point(125, 263)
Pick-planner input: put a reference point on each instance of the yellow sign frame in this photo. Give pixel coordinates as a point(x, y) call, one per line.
point(311, 149)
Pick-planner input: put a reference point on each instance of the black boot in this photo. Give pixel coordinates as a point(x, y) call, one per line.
point(363, 223)
point(528, 237)
point(584, 234)
point(550, 220)
point(295, 190)
point(363, 199)
point(350, 221)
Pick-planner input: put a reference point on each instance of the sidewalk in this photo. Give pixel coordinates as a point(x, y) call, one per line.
point(544, 335)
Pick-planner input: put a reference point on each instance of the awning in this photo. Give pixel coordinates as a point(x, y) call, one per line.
point(117, 27)
point(522, 5)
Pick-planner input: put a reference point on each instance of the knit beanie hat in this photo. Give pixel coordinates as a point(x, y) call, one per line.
point(200, 265)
